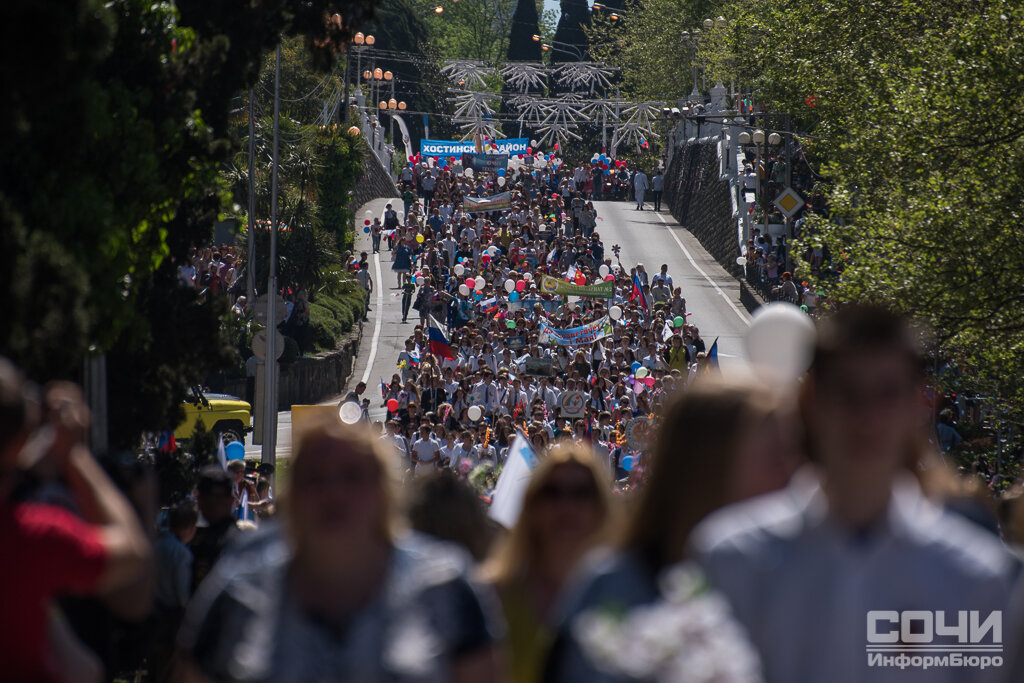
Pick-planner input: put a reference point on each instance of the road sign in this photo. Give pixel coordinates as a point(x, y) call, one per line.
point(789, 202)
point(259, 344)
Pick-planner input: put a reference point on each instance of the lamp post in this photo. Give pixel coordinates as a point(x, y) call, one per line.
point(360, 43)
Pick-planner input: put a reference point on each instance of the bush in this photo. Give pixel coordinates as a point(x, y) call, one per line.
point(325, 327)
point(332, 303)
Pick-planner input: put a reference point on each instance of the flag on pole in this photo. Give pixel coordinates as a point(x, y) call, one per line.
point(713, 355)
point(507, 501)
point(383, 388)
point(439, 345)
point(638, 292)
point(222, 456)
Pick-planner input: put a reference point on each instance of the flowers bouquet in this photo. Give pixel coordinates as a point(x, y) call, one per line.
point(687, 636)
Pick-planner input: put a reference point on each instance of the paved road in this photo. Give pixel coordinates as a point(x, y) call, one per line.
point(712, 296)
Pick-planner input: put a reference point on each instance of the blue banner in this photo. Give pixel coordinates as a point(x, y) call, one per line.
point(452, 148)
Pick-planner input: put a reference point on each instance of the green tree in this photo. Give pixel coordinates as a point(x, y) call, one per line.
point(918, 118)
point(117, 124)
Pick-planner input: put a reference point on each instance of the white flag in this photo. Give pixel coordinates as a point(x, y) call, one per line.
point(222, 457)
point(507, 500)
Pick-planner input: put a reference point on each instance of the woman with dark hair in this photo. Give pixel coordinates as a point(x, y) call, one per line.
point(719, 443)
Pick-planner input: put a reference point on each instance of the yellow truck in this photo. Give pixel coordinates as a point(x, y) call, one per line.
point(229, 416)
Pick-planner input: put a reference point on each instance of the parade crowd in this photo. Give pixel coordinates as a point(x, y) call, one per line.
point(673, 525)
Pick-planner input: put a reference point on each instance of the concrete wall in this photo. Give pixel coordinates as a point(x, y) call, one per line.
point(700, 199)
point(374, 184)
point(311, 379)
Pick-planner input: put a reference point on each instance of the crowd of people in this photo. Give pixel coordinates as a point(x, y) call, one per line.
point(674, 525)
point(479, 280)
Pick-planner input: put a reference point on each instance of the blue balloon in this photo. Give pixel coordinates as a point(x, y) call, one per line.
point(234, 450)
point(501, 172)
point(626, 463)
point(366, 230)
point(478, 296)
point(513, 296)
point(603, 157)
point(442, 162)
point(635, 366)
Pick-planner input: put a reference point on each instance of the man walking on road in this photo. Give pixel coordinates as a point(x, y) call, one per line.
point(657, 185)
point(366, 282)
point(640, 186)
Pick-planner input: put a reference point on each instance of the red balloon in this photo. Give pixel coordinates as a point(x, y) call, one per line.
point(366, 222)
point(520, 285)
point(392, 405)
point(470, 282)
point(529, 150)
point(608, 277)
point(485, 258)
point(556, 146)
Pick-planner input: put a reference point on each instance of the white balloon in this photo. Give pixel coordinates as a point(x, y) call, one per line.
point(350, 412)
point(527, 276)
point(780, 342)
point(533, 143)
point(463, 289)
point(480, 282)
point(459, 269)
point(741, 260)
point(510, 286)
point(469, 172)
point(475, 413)
point(501, 181)
point(604, 270)
point(369, 214)
point(641, 372)
point(614, 312)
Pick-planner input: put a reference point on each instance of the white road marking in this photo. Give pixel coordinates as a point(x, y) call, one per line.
point(379, 288)
point(742, 315)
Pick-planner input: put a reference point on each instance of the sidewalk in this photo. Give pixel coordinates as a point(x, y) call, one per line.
point(383, 336)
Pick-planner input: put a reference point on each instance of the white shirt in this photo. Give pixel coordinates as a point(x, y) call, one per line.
point(802, 585)
point(486, 395)
point(640, 181)
point(426, 451)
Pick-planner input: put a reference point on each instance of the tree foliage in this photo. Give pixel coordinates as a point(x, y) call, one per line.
point(116, 125)
point(473, 29)
point(919, 115)
point(647, 44)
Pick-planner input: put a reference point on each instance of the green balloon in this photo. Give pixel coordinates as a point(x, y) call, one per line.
point(678, 322)
point(510, 324)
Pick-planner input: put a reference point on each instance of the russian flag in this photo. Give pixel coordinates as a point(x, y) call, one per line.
point(489, 306)
point(439, 345)
point(638, 292)
point(713, 355)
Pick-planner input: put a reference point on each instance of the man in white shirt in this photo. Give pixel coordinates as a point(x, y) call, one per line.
point(640, 186)
point(485, 393)
point(426, 453)
point(662, 276)
point(844, 576)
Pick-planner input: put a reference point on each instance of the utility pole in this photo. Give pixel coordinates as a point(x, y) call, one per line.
point(269, 454)
point(250, 267)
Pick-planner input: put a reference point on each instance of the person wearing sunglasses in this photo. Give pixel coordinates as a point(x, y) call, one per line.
point(566, 512)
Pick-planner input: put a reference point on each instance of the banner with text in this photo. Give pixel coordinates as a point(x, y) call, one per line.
point(575, 336)
point(485, 163)
point(456, 148)
point(550, 285)
point(492, 203)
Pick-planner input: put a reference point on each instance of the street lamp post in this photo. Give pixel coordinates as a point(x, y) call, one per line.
point(269, 454)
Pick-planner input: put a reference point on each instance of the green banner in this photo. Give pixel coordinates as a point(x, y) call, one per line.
point(550, 285)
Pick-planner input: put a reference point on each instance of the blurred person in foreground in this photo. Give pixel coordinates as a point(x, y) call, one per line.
point(835, 563)
point(48, 551)
point(337, 592)
point(642, 611)
point(566, 510)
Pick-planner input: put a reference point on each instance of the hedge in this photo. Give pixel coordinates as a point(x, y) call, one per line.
point(331, 318)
